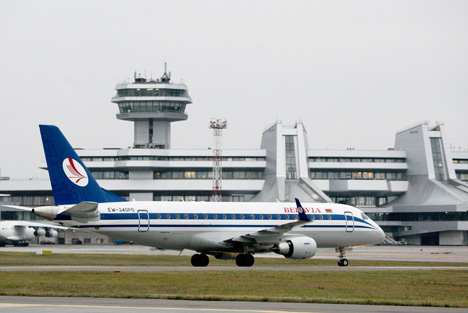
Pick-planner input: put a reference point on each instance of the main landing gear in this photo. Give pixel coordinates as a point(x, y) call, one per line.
point(343, 261)
point(200, 260)
point(245, 260)
point(21, 243)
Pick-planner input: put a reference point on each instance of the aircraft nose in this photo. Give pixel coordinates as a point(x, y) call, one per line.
point(381, 235)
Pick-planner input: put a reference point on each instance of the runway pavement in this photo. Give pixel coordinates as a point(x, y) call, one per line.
point(451, 254)
point(448, 254)
point(107, 305)
point(224, 268)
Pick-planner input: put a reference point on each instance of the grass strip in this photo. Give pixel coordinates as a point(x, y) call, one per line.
point(75, 259)
point(420, 288)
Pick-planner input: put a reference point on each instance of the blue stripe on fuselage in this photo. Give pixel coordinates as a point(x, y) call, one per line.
point(220, 217)
point(209, 225)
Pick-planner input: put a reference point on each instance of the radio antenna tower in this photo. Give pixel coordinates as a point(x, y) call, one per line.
point(217, 125)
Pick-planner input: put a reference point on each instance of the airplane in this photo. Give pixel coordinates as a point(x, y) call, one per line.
point(224, 230)
point(19, 233)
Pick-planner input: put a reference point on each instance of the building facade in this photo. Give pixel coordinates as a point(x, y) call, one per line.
point(417, 191)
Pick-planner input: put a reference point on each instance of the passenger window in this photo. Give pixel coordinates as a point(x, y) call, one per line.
point(186, 216)
point(205, 216)
point(329, 216)
point(252, 217)
point(242, 216)
point(224, 216)
point(286, 216)
point(261, 216)
point(233, 216)
point(270, 217)
point(177, 216)
point(215, 216)
point(168, 216)
point(158, 216)
point(278, 217)
point(321, 216)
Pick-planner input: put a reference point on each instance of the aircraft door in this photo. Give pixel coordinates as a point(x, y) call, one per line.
point(349, 218)
point(143, 221)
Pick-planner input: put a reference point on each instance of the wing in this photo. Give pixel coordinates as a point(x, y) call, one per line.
point(82, 212)
point(274, 233)
point(37, 224)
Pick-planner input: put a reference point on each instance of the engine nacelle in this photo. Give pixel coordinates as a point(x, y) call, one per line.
point(30, 233)
point(39, 232)
point(52, 233)
point(47, 212)
point(297, 248)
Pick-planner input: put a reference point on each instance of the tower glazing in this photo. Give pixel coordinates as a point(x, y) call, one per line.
point(152, 105)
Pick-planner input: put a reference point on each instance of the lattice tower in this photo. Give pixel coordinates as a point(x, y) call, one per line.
point(217, 125)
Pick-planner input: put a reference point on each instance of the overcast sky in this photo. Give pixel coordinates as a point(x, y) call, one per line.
point(354, 72)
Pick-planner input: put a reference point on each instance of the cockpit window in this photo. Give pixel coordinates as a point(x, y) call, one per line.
point(364, 216)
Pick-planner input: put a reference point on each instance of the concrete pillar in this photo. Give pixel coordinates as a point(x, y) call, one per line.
point(452, 238)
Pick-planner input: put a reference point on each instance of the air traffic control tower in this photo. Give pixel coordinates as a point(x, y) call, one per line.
point(152, 105)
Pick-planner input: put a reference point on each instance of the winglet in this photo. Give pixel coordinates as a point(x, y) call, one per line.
point(301, 213)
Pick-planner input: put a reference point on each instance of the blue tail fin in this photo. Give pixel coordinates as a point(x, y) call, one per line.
point(71, 181)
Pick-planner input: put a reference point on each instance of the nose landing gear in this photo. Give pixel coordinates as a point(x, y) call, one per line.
point(343, 261)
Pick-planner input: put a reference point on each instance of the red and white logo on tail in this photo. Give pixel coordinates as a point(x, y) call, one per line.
point(75, 172)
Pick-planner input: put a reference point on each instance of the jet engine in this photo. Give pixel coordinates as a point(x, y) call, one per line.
point(296, 248)
point(39, 232)
point(52, 233)
point(29, 233)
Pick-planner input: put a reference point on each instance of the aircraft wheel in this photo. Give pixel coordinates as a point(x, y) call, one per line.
point(240, 259)
point(195, 260)
point(343, 262)
point(200, 260)
point(249, 260)
point(245, 260)
point(205, 260)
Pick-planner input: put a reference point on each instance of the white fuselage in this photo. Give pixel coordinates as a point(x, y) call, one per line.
point(208, 226)
point(11, 232)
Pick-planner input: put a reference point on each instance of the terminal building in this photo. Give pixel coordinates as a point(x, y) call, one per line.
point(416, 191)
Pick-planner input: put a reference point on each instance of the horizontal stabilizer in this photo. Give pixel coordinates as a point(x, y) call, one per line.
point(16, 207)
point(83, 212)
